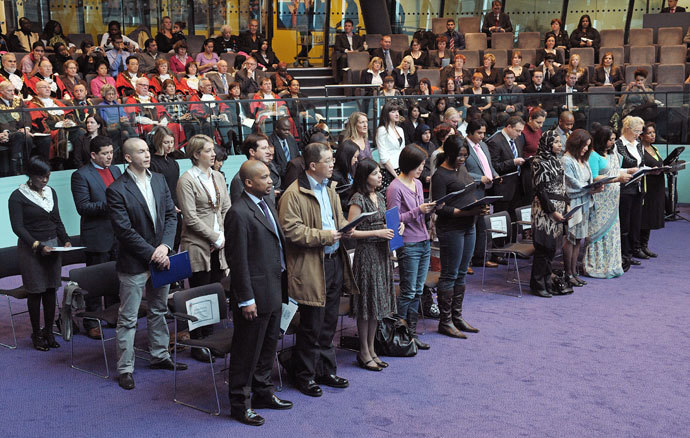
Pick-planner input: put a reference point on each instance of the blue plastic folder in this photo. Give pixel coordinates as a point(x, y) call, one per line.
point(180, 268)
point(393, 222)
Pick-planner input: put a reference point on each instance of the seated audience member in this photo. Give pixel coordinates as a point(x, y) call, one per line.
point(284, 145)
point(94, 127)
point(390, 91)
point(22, 40)
point(281, 80)
point(390, 58)
point(299, 107)
point(44, 122)
point(641, 102)
point(575, 101)
point(59, 57)
point(71, 78)
point(552, 75)
point(508, 99)
point(561, 35)
point(586, 36)
point(144, 113)
point(90, 57)
point(574, 66)
point(256, 147)
point(160, 75)
point(226, 42)
point(607, 73)
point(373, 75)
point(15, 128)
point(250, 40)
point(102, 78)
point(45, 73)
point(419, 56)
point(175, 109)
point(425, 102)
point(114, 32)
point(490, 76)
point(9, 72)
point(454, 38)
point(207, 58)
point(249, 77)
point(672, 7)
point(550, 48)
point(405, 76)
point(84, 104)
point(126, 81)
point(346, 42)
point(238, 112)
point(479, 96)
point(449, 88)
point(189, 84)
point(29, 63)
point(458, 72)
point(443, 56)
point(117, 57)
point(210, 112)
point(221, 79)
point(266, 57)
point(149, 57)
point(539, 87)
point(522, 75)
point(166, 38)
point(179, 61)
point(178, 30)
point(496, 21)
point(506, 148)
point(265, 105)
point(435, 117)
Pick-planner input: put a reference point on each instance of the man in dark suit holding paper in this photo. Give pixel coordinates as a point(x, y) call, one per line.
point(89, 184)
point(143, 217)
point(505, 148)
point(256, 253)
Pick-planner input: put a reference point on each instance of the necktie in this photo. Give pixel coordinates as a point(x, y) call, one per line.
point(452, 43)
point(515, 152)
point(286, 149)
point(225, 84)
point(269, 216)
point(486, 168)
point(389, 61)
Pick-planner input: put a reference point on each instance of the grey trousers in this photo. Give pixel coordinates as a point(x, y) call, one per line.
point(131, 290)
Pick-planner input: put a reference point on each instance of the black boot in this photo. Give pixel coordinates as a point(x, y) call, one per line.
point(456, 309)
point(427, 303)
point(38, 341)
point(412, 318)
point(445, 323)
point(50, 338)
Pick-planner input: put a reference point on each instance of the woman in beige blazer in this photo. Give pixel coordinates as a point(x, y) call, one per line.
point(203, 197)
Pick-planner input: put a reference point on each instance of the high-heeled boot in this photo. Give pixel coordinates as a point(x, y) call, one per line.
point(445, 323)
point(50, 337)
point(412, 319)
point(456, 310)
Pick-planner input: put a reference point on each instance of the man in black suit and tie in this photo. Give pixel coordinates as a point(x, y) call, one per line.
point(221, 79)
point(256, 252)
point(508, 100)
point(672, 8)
point(505, 148)
point(284, 146)
point(346, 42)
point(575, 101)
point(456, 40)
point(538, 86)
point(89, 184)
point(391, 58)
point(144, 221)
point(496, 21)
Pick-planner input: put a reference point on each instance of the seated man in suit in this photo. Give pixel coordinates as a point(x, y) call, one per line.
point(505, 148)
point(672, 7)
point(575, 101)
point(220, 79)
point(89, 184)
point(21, 40)
point(508, 100)
point(456, 40)
point(256, 250)
point(256, 147)
point(127, 80)
point(496, 21)
point(249, 77)
point(345, 42)
point(391, 58)
point(10, 72)
point(284, 146)
point(552, 76)
point(539, 87)
point(144, 221)
point(45, 73)
point(211, 112)
point(15, 128)
point(148, 58)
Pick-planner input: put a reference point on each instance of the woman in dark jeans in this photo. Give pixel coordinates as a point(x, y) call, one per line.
point(456, 234)
point(35, 219)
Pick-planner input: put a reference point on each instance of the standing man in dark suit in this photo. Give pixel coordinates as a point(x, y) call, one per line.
point(672, 8)
point(284, 146)
point(391, 58)
point(456, 40)
point(496, 21)
point(144, 221)
point(89, 184)
point(256, 252)
point(346, 42)
point(505, 148)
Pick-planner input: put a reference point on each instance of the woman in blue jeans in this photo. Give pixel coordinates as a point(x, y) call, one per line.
point(456, 234)
point(406, 193)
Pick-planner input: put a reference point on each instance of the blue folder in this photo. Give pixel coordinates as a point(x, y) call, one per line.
point(180, 268)
point(393, 222)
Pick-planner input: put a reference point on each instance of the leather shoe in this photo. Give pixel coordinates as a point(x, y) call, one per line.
point(202, 355)
point(470, 271)
point(167, 364)
point(248, 417)
point(500, 260)
point(94, 333)
point(649, 253)
point(272, 403)
point(126, 381)
point(542, 293)
point(333, 381)
point(310, 388)
point(490, 264)
point(634, 262)
point(639, 254)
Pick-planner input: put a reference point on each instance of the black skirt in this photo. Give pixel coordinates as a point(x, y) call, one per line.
point(39, 272)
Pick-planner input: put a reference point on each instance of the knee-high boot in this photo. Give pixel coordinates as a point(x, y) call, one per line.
point(412, 318)
point(445, 324)
point(456, 309)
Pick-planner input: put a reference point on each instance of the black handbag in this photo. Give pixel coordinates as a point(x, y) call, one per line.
point(393, 338)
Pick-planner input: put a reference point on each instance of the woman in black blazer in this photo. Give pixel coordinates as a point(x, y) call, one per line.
point(562, 39)
point(419, 56)
point(405, 76)
point(490, 76)
point(586, 36)
point(607, 73)
point(373, 75)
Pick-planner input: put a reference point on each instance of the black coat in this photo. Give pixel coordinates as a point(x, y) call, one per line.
point(88, 191)
point(279, 158)
point(502, 160)
point(253, 252)
point(491, 21)
point(133, 225)
point(342, 44)
point(399, 78)
point(628, 162)
point(396, 57)
point(616, 77)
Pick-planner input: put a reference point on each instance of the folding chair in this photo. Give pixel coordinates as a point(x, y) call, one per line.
point(10, 268)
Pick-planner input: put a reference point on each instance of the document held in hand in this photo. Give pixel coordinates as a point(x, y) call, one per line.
point(393, 223)
point(289, 310)
point(356, 221)
point(180, 268)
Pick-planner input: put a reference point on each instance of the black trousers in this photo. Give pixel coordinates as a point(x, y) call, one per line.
point(202, 278)
point(644, 238)
point(541, 267)
point(253, 350)
point(95, 303)
point(630, 211)
point(314, 351)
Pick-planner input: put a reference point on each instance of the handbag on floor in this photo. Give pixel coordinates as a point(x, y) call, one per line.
point(393, 338)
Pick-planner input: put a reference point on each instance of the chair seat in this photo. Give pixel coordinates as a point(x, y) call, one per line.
point(521, 249)
point(110, 313)
point(432, 279)
point(219, 342)
point(18, 292)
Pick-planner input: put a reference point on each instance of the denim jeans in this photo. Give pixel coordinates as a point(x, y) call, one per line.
point(413, 265)
point(456, 248)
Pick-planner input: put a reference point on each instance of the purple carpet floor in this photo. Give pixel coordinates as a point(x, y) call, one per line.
point(613, 359)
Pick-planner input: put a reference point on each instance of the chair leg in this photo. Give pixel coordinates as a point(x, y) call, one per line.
point(279, 388)
point(213, 378)
point(14, 334)
point(105, 355)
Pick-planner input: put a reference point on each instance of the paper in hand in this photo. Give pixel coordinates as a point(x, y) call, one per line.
point(67, 248)
point(356, 221)
point(600, 182)
point(572, 211)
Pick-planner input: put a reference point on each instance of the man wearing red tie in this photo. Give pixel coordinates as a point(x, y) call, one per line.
point(672, 8)
point(496, 21)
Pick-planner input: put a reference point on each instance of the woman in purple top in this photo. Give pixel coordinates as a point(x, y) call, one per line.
point(406, 193)
point(207, 59)
point(357, 132)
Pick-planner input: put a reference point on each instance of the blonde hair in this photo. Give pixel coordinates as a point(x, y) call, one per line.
point(107, 88)
point(409, 59)
point(196, 144)
point(351, 125)
point(632, 122)
point(373, 60)
point(579, 69)
point(158, 137)
point(490, 57)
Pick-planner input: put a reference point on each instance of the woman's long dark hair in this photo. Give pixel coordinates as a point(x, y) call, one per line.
point(600, 138)
point(364, 169)
point(343, 157)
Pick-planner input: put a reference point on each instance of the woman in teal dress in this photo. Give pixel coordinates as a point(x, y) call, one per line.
point(603, 255)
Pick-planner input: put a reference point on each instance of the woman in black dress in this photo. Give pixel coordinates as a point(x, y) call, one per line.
point(654, 203)
point(163, 162)
point(586, 36)
point(35, 219)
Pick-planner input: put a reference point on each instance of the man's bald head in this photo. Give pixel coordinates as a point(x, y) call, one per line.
point(256, 178)
point(566, 121)
point(250, 169)
point(131, 145)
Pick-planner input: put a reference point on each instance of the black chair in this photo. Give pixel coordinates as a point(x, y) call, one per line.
point(204, 302)
point(523, 225)
point(499, 226)
point(10, 268)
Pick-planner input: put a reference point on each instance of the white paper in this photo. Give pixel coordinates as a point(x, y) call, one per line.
point(575, 219)
point(288, 313)
point(205, 308)
point(248, 122)
point(67, 248)
point(498, 223)
point(526, 215)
